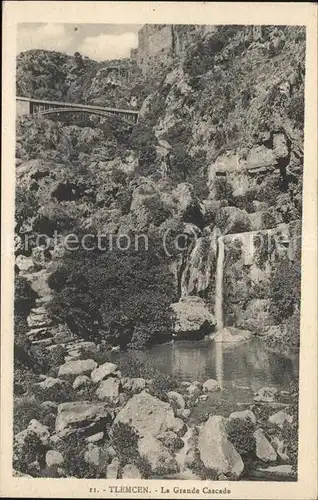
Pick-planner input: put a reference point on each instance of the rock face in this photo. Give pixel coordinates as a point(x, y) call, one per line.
point(83, 416)
point(216, 451)
point(161, 460)
point(193, 320)
point(264, 450)
point(78, 367)
point(148, 415)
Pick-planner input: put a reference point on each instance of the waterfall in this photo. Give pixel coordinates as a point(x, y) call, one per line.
point(219, 285)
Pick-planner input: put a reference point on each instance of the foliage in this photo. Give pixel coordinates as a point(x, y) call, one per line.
point(26, 205)
point(240, 433)
point(73, 449)
point(125, 442)
point(110, 294)
point(31, 457)
point(285, 289)
point(200, 470)
point(181, 164)
point(290, 430)
point(223, 189)
point(28, 408)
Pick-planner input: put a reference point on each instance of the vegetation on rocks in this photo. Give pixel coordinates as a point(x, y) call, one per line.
point(217, 152)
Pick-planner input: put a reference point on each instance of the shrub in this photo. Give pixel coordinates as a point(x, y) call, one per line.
point(31, 457)
point(24, 296)
point(110, 294)
point(125, 442)
point(73, 448)
point(285, 289)
point(28, 408)
point(223, 189)
point(240, 434)
point(26, 204)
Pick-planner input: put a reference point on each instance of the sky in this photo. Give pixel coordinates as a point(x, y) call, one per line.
point(97, 41)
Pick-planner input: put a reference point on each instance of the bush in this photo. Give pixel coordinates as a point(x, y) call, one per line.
point(73, 448)
point(285, 289)
point(223, 189)
point(31, 458)
point(240, 434)
point(110, 295)
point(125, 442)
point(28, 408)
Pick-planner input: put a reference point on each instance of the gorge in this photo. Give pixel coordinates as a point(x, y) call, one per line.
point(203, 330)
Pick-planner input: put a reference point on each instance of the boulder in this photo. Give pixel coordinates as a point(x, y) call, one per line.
point(233, 220)
point(109, 389)
point(280, 448)
point(38, 318)
point(148, 415)
point(194, 389)
point(211, 385)
point(243, 415)
point(96, 456)
point(130, 471)
point(82, 416)
point(133, 385)
point(266, 395)
point(81, 381)
point(112, 469)
point(177, 402)
point(42, 431)
point(193, 320)
point(103, 371)
point(216, 451)
point(159, 457)
point(95, 438)
point(280, 418)
point(78, 367)
point(231, 334)
point(264, 449)
point(50, 382)
point(274, 472)
point(54, 458)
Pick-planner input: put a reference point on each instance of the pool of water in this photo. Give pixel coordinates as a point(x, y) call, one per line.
point(249, 365)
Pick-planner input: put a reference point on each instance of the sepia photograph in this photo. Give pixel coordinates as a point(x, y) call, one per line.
point(157, 254)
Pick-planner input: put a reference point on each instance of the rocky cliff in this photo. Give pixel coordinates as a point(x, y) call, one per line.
point(217, 152)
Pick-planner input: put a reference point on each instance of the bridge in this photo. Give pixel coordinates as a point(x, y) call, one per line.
point(29, 106)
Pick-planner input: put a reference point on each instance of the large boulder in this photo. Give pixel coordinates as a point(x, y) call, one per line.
point(103, 371)
point(148, 415)
point(50, 382)
point(266, 395)
point(193, 319)
point(54, 458)
point(216, 451)
point(159, 457)
point(130, 471)
point(109, 389)
point(177, 402)
point(231, 335)
point(112, 469)
point(264, 449)
point(211, 385)
point(83, 416)
point(96, 456)
point(77, 367)
point(233, 220)
point(81, 381)
point(38, 318)
point(244, 415)
point(280, 418)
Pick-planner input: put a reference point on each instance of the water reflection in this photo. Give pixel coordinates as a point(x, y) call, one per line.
point(248, 364)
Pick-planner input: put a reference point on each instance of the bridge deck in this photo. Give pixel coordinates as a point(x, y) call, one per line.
point(81, 106)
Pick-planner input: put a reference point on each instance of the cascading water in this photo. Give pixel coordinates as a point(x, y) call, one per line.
point(219, 309)
point(219, 285)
